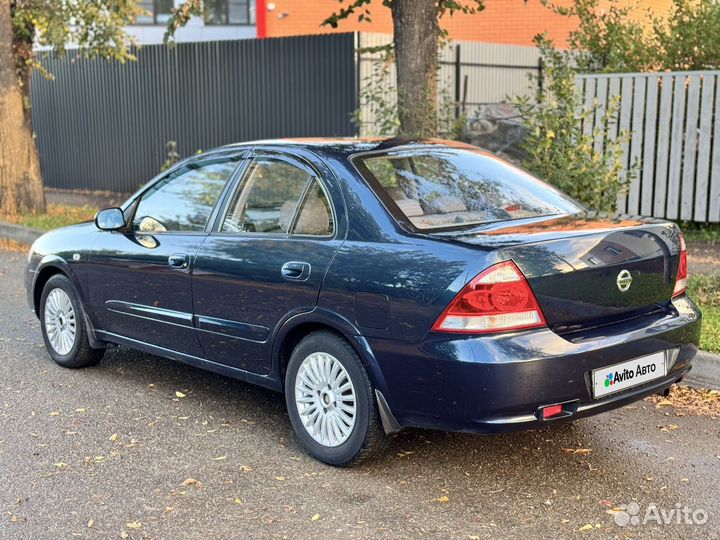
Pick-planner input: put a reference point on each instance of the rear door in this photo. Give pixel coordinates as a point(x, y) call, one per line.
point(265, 259)
point(139, 281)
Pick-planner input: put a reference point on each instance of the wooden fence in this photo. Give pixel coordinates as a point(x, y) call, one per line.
point(674, 121)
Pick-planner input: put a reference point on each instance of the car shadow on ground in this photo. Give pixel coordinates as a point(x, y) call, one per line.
point(238, 401)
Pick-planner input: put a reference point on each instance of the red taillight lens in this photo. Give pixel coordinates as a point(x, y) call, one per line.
point(500, 298)
point(682, 275)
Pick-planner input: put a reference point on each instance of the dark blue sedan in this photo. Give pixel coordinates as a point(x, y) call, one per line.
point(379, 284)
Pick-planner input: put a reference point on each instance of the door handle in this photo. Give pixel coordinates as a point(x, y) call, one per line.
point(295, 270)
point(179, 261)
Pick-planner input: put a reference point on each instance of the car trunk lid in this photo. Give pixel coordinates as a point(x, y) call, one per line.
point(587, 271)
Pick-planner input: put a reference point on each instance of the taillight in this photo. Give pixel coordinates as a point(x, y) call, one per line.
point(498, 299)
point(682, 274)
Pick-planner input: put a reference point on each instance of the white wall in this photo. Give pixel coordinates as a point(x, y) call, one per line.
point(194, 30)
point(151, 34)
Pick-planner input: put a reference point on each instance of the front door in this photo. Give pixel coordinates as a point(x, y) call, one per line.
point(264, 262)
point(140, 280)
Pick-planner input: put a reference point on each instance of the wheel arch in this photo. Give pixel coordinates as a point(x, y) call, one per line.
point(299, 326)
point(46, 270)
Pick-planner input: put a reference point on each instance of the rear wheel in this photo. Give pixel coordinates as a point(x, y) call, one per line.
point(331, 401)
point(63, 325)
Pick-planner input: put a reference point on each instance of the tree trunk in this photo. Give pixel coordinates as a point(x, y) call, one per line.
point(21, 186)
point(416, 35)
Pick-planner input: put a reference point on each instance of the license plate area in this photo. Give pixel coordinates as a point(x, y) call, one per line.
point(618, 377)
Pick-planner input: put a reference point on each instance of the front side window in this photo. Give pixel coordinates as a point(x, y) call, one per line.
point(280, 198)
point(229, 11)
point(155, 11)
point(436, 188)
point(183, 200)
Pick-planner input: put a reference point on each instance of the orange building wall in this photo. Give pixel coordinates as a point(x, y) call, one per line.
point(502, 21)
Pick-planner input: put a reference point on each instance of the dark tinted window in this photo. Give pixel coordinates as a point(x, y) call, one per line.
point(184, 199)
point(268, 197)
point(444, 187)
point(229, 11)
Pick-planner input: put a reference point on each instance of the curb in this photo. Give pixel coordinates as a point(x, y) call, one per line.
point(18, 233)
point(705, 372)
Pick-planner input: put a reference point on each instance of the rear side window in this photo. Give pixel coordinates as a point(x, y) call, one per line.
point(436, 188)
point(278, 197)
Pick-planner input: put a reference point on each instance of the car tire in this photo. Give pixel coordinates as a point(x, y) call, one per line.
point(320, 368)
point(64, 331)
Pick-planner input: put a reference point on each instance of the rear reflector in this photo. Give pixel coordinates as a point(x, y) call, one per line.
point(551, 411)
point(498, 299)
point(682, 274)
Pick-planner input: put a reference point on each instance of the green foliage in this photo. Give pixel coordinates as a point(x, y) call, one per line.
point(378, 97)
point(609, 39)
point(614, 37)
point(705, 290)
point(361, 8)
point(690, 36)
point(95, 27)
point(56, 216)
point(378, 100)
point(695, 231)
point(558, 150)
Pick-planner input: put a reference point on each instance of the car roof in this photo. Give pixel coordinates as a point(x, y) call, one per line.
point(347, 146)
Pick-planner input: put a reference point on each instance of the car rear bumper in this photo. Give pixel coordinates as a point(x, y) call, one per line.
point(497, 383)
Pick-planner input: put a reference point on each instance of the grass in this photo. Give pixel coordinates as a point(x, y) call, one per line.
point(700, 231)
point(705, 290)
point(57, 216)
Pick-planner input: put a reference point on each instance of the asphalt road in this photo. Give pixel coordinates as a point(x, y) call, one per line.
point(112, 452)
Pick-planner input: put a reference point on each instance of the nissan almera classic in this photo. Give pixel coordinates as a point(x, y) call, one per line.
point(379, 284)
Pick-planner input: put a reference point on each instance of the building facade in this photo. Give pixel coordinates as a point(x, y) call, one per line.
point(223, 19)
point(514, 22)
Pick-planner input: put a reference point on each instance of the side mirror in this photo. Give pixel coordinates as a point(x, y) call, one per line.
point(110, 219)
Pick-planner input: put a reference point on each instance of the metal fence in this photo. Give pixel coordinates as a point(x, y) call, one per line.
point(102, 125)
point(674, 121)
point(471, 76)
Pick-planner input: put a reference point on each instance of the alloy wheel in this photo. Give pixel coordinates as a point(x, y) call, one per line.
point(325, 399)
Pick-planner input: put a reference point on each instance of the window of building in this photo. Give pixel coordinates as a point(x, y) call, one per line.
point(156, 11)
point(219, 12)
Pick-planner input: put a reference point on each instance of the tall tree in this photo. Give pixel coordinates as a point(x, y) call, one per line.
point(416, 36)
point(95, 29)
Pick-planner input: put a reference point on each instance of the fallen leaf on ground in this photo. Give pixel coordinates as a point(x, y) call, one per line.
point(237, 501)
point(685, 400)
point(245, 468)
point(219, 458)
point(587, 527)
point(192, 482)
point(179, 394)
point(443, 499)
point(580, 451)
point(280, 478)
point(90, 523)
point(134, 525)
point(55, 413)
point(114, 437)
point(316, 517)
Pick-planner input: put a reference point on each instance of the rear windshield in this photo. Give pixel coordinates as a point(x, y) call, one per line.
point(436, 188)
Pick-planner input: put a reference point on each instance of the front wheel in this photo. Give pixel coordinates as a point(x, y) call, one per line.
point(63, 325)
point(331, 401)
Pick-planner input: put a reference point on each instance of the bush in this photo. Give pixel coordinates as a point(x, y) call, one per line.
point(557, 150)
